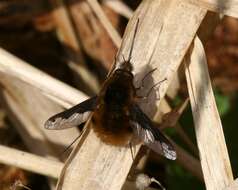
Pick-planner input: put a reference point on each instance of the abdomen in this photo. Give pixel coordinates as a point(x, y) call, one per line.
point(112, 129)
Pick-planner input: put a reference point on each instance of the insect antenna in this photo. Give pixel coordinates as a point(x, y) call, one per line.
point(133, 40)
point(127, 63)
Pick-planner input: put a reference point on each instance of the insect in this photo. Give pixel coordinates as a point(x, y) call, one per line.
point(116, 118)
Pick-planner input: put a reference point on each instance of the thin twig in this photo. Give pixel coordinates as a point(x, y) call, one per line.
point(13, 66)
point(28, 109)
point(30, 162)
point(69, 39)
point(120, 7)
point(105, 22)
point(165, 107)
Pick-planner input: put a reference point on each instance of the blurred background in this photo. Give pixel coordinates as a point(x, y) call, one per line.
point(32, 30)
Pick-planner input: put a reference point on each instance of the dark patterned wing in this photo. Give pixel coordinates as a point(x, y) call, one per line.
point(72, 117)
point(144, 129)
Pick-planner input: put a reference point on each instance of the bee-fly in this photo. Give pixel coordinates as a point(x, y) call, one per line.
point(116, 118)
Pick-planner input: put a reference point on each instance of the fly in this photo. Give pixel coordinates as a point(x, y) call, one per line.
point(116, 118)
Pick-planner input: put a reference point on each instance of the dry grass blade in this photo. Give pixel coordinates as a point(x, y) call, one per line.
point(15, 67)
point(28, 109)
point(66, 34)
point(105, 21)
point(119, 7)
point(232, 186)
point(166, 29)
point(30, 162)
point(211, 143)
point(63, 23)
point(228, 7)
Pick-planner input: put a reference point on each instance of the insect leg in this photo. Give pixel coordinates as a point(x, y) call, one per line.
point(148, 93)
point(70, 145)
point(143, 80)
point(131, 149)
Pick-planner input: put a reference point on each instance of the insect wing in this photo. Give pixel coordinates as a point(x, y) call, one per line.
point(144, 129)
point(72, 117)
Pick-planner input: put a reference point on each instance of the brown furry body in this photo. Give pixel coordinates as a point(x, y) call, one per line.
point(111, 117)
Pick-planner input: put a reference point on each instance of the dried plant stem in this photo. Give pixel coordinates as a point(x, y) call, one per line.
point(120, 7)
point(30, 162)
point(227, 7)
point(64, 26)
point(211, 143)
point(28, 110)
point(105, 22)
point(183, 135)
point(165, 108)
point(232, 186)
point(28, 129)
point(13, 66)
point(68, 37)
point(189, 162)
